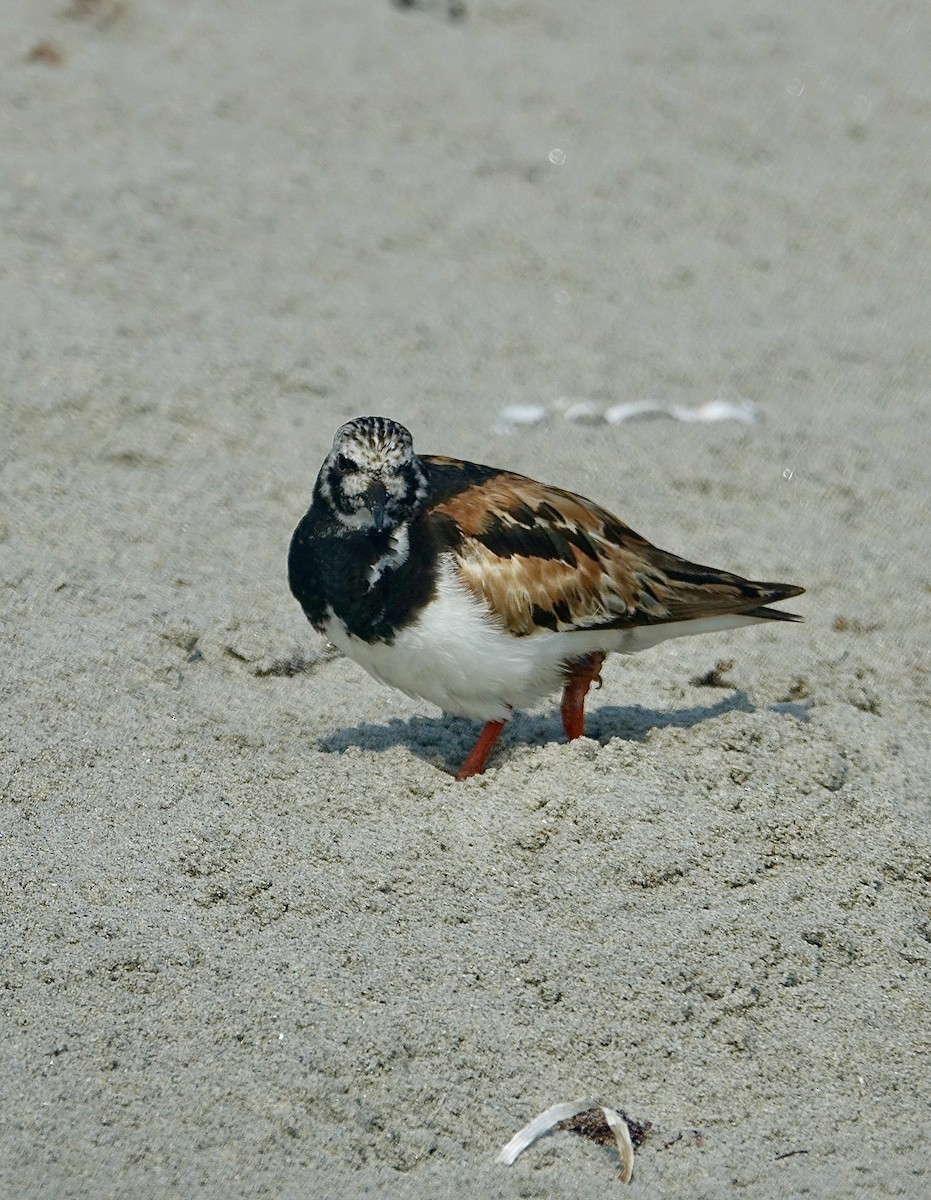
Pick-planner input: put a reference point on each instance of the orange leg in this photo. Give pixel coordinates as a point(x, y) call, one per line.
point(475, 763)
point(580, 675)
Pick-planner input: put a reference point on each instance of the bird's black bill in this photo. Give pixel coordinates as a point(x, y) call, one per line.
point(376, 500)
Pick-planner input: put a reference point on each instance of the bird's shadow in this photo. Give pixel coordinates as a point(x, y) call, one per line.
point(439, 740)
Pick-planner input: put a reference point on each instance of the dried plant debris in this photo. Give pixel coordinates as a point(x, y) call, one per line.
point(603, 1125)
point(599, 1126)
point(799, 689)
point(284, 668)
point(249, 644)
point(46, 52)
point(455, 9)
point(842, 624)
point(698, 1138)
point(101, 13)
point(715, 677)
point(183, 636)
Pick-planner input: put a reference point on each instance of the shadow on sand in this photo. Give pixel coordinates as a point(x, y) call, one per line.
point(444, 739)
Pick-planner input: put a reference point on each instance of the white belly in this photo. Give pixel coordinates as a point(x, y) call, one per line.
point(456, 655)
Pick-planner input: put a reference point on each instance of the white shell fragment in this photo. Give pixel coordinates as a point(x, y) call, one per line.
point(514, 415)
point(702, 414)
point(625, 1147)
point(636, 410)
point(588, 412)
point(718, 410)
point(582, 412)
point(542, 1124)
point(563, 1112)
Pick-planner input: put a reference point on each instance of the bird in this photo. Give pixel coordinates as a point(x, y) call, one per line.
point(481, 590)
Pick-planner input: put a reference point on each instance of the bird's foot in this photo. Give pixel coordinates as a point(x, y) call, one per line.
point(580, 675)
point(475, 763)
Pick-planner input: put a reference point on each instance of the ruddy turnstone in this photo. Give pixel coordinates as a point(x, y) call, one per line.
point(481, 590)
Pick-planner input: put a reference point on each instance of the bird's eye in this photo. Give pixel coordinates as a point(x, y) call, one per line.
point(344, 463)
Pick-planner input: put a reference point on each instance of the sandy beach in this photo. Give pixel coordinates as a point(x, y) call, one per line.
point(256, 941)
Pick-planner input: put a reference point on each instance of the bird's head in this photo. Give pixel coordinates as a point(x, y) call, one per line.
point(372, 479)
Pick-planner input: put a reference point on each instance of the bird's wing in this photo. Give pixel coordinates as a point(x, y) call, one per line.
point(544, 559)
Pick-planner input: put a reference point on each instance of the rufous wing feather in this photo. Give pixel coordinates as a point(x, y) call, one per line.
point(545, 559)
